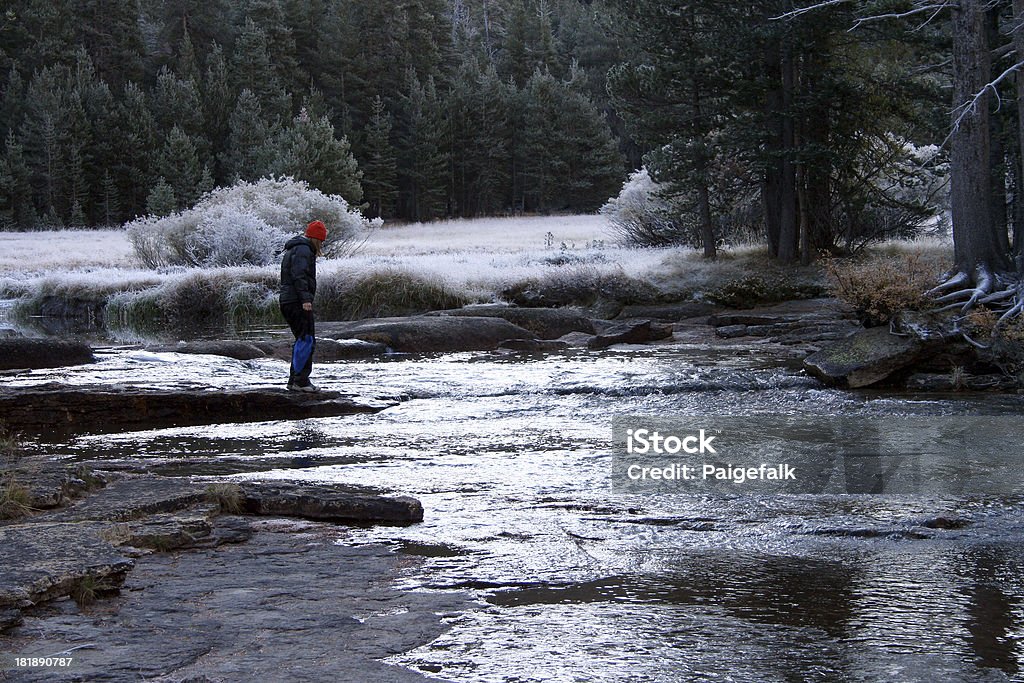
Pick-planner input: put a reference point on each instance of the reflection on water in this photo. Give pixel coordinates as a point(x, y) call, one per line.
point(511, 460)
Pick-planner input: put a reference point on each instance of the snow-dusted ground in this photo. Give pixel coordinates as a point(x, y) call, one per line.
point(476, 257)
point(53, 250)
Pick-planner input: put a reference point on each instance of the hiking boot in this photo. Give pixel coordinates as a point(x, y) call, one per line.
point(307, 388)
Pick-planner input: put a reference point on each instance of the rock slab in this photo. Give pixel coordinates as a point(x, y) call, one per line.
point(430, 333)
point(327, 504)
point(21, 352)
point(102, 409)
point(865, 358)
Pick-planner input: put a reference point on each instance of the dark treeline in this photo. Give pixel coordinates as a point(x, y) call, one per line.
point(114, 108)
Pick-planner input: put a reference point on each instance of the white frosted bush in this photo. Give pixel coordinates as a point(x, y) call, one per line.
point(227, 236)
point(640, 216)
point(245, 224)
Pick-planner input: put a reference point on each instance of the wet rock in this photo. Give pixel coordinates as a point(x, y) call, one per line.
point(544, 323)
point(52, 484)
point(326, 503)
point(289, 605)
point(327, 350)
point(171, 532)
point(535, 345)
point(639, 332)
point(735, 319)
point(731, 331)
point(576, 340)
point(239, 350)
point(865, 358)
point(21, 352)
point(959, 381)
point(430, 333)
point(135, 497)
point(669, 312)
point(98, 409)
point(43, 561)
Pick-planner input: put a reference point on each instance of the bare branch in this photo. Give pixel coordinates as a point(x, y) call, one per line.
point(810, 8)
point(968, 107)
point(937, 7)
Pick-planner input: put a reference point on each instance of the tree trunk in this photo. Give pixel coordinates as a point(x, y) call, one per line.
point(701, 166)
point(788, 229)
point(975, 243)
point(771, 185)
point(1018, 194)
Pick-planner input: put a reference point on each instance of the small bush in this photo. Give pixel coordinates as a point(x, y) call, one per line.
point(641, 217)
point(245, 224)
point(764, 288)
point(382, 293)
point(880, 287)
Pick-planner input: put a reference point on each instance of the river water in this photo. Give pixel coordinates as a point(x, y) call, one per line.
point(510, 455)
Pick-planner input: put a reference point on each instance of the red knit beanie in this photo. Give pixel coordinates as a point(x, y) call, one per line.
point(317, 230)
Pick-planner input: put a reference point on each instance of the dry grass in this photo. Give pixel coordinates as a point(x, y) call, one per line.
point(228, 497)
point(880, 285)
point(15, 499)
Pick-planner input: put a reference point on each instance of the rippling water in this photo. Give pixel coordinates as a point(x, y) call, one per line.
point(510, 456)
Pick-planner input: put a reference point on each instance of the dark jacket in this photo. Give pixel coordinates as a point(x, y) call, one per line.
point(298, 271)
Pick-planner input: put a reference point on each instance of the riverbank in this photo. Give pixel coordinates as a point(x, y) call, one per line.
point(128, 575)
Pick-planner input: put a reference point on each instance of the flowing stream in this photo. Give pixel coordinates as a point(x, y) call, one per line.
point(510, 455)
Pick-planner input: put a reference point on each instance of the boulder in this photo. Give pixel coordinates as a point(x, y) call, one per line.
point(20, 352)
point(327, 503)
point(544, 323)
point(239, 350)
point(430, 333)
point(102, 409)
point(638, 332)
point(731, 331)
point(864, 358)
point(327, 350)
point(669, 312)
point(535, 345)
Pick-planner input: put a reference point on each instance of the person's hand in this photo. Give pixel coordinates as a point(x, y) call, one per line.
point(307, 306)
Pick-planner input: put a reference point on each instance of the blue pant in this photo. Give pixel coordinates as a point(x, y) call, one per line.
point(301, 324)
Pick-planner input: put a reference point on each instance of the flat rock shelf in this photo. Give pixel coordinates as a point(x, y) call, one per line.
point(60, 408)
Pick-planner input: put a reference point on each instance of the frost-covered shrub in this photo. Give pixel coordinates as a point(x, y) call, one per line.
point(640, 216)
point(245, 225)
point(229, 237)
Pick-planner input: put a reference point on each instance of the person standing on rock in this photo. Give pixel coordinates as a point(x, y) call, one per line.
point(298, 288)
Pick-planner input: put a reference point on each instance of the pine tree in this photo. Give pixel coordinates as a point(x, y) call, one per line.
point(19, 188)
point(253, 70)
point(423, 151)
point(109, 30)
point(379, 164)
point(11, 101)
point(247, 156)
point(136, 147)
point(218, 103)
point(161, 200)
point(308, 150)
point(179, 162)
point(110, 203)
point(270, 17)
point(177, 103)
point(40, 136)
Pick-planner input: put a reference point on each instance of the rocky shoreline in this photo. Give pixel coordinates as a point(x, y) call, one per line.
point(94, 550)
